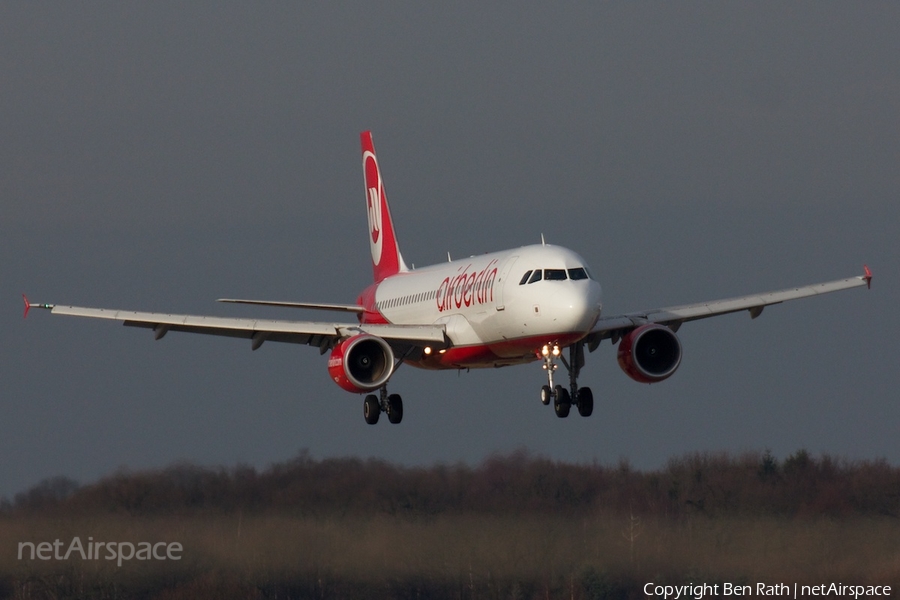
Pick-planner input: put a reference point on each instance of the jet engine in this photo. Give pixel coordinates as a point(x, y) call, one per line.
point(361, 363)
point(650, 353)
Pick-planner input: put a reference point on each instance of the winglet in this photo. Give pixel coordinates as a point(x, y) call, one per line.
point(868, 277)
point(29, 305)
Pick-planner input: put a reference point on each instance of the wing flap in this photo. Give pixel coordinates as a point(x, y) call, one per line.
point(309, 305)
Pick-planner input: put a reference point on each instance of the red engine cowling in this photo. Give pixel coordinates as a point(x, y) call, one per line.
point(650, 353)
point(362, 363)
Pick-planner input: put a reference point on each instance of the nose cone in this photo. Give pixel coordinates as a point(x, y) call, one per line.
point(576, 306)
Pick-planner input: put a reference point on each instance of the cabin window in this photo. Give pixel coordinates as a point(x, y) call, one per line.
point(576, 274)
point(555, 274)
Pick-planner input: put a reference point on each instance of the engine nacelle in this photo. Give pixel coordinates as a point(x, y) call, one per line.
point(650, 353)
point(362, 363)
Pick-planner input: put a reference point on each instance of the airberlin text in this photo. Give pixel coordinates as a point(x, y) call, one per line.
point(468, 288)
point(699, 591)
point(92, 550)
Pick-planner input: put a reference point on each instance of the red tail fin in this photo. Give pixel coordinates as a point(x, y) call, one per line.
point(386, 259)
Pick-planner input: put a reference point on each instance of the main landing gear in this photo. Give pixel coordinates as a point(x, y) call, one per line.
point(563, 398)
point(374, 405)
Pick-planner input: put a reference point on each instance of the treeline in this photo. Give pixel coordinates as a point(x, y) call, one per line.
point(751, 484)
point(514, 526)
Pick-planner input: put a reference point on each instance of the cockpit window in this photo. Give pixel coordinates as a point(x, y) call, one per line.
point(576, 274)
point(555, 274)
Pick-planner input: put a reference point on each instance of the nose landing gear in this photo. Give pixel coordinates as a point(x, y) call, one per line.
point(563, 398)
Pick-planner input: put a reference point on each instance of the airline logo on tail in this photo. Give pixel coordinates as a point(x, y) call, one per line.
point(375, 195)
point(386, 259)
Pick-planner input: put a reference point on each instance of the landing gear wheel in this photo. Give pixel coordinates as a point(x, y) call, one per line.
point(585, 401)
point(546, 395)
point(561, 402)
point(395, 408)
point(371, 409)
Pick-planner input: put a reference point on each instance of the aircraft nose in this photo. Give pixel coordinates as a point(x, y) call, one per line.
point(577, 307)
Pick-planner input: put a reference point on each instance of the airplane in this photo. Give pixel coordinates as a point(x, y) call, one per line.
point(533, 303)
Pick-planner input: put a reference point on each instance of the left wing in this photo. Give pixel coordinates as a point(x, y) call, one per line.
point(674, 316)
point(321, 334)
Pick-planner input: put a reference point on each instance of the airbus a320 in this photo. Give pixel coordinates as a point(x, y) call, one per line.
point(537, 303)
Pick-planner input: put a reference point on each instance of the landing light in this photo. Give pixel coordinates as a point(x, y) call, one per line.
point(547, 350)
point(427, 350)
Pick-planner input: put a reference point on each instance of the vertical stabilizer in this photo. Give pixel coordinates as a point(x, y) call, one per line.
point(386, 259)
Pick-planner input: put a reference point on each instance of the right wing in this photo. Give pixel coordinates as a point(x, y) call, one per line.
point(321, 334)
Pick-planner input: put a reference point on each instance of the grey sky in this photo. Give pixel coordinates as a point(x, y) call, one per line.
point(158, 156)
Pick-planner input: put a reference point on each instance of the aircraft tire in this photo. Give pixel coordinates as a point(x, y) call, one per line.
point(561, 402)
point(395, 408)
point(546, 395)
point(371, 409)
point(585, 402)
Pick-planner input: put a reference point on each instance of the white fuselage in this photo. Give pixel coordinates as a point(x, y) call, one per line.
point(492, 313)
